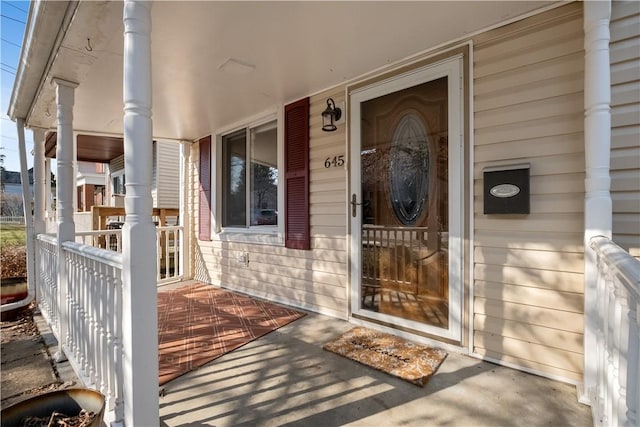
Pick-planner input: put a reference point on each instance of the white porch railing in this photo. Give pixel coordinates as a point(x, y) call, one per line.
point(94, 331)
point(169, 254)
point(11, 220)
point(617, 398)
point(47, 283)
point(105, 239)
point(94, 313)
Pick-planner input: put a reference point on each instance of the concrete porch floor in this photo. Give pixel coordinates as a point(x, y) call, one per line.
point(286, 379)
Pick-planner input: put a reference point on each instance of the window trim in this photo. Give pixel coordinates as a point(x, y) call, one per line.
point(251, 234)
point(112, 177)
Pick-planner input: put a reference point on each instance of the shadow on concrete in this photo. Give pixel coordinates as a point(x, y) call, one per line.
point(286, 379)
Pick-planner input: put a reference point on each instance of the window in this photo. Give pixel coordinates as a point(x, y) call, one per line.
point(250, 177)
point(118, 184)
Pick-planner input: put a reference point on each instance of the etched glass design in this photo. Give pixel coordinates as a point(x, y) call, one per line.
point(409, 169)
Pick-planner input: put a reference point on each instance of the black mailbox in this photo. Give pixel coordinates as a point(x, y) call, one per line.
point(506, 189)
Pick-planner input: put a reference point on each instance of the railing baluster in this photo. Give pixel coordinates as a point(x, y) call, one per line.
point(117, 348)
point(100, 331)
point(164, 250)
point(82, 315)
point(169, 241)
point(622, 342)
point(158, 257)
point(94, 319)
point(110, 313)
point(610, 370)
point(618, 373)
point(177, 254)
point(71, 306)
point(634, 404)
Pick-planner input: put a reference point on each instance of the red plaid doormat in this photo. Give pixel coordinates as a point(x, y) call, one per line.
point(198, 323)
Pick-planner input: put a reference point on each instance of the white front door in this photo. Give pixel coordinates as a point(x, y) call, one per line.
point(407, 203)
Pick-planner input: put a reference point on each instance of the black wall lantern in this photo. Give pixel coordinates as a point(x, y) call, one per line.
point(330, 116)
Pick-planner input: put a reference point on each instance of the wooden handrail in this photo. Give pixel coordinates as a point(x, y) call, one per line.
point(99, 215)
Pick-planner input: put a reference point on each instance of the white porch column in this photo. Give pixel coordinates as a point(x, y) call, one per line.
point(139, 312)
point(39, 182)
point(185, 218)
point(75, 172)
point(64, 195)
point(597, 134)
point(48, 197)
point(26, 203)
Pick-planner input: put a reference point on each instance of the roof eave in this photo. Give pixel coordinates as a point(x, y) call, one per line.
point(46, 24)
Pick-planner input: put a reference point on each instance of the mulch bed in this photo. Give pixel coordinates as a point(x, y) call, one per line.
point(57, 419)
point(13, 261)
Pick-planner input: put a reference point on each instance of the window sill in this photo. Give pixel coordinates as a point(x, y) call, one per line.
point(271, 237)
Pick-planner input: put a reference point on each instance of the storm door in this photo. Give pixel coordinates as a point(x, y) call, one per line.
point(406, 202)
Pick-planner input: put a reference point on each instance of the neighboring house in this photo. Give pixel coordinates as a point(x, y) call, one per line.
point(454, 202)
point(101, 178)
point(90, 183)
point(165, 183)
point(11, 182)
point(11, 192)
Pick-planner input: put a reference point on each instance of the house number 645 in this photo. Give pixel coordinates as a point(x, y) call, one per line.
point(334, 161)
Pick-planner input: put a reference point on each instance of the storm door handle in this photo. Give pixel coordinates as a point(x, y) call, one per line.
point(354, 205)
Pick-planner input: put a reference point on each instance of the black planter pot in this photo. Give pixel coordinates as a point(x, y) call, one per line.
point(69, 402)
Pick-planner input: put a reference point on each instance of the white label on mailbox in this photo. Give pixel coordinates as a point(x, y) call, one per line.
point(505, 190)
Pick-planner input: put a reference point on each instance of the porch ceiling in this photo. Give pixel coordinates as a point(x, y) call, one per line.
point(289, 50)
point(90, 148)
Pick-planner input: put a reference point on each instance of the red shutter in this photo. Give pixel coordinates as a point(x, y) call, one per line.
point(204, 190)
point(296, 175)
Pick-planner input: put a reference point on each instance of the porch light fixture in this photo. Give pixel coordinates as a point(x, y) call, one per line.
point(330, 115)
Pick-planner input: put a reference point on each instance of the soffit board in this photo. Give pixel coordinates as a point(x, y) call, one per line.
point(295, 49)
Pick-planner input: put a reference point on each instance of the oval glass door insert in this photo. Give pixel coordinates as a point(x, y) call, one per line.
point(409, 169)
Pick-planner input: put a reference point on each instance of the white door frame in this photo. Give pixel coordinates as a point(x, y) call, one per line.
point(452, 68)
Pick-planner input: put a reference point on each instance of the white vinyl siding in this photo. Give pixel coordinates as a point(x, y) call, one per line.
point(166, 175)
point(625, 123)
point(528, 269)
point(116, 164)
point(316, 279)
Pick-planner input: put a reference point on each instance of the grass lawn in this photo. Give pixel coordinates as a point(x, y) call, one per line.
point(12, 235)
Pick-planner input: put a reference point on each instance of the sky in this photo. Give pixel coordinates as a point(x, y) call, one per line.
point(12, 24)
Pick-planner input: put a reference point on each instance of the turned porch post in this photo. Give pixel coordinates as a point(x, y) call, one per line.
point(48, 199)
point(39, 182)
point(597, 140)
point(26, 206)
point(185, 241)
point(139, 311)
point(64, 194)
point(39, 188)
